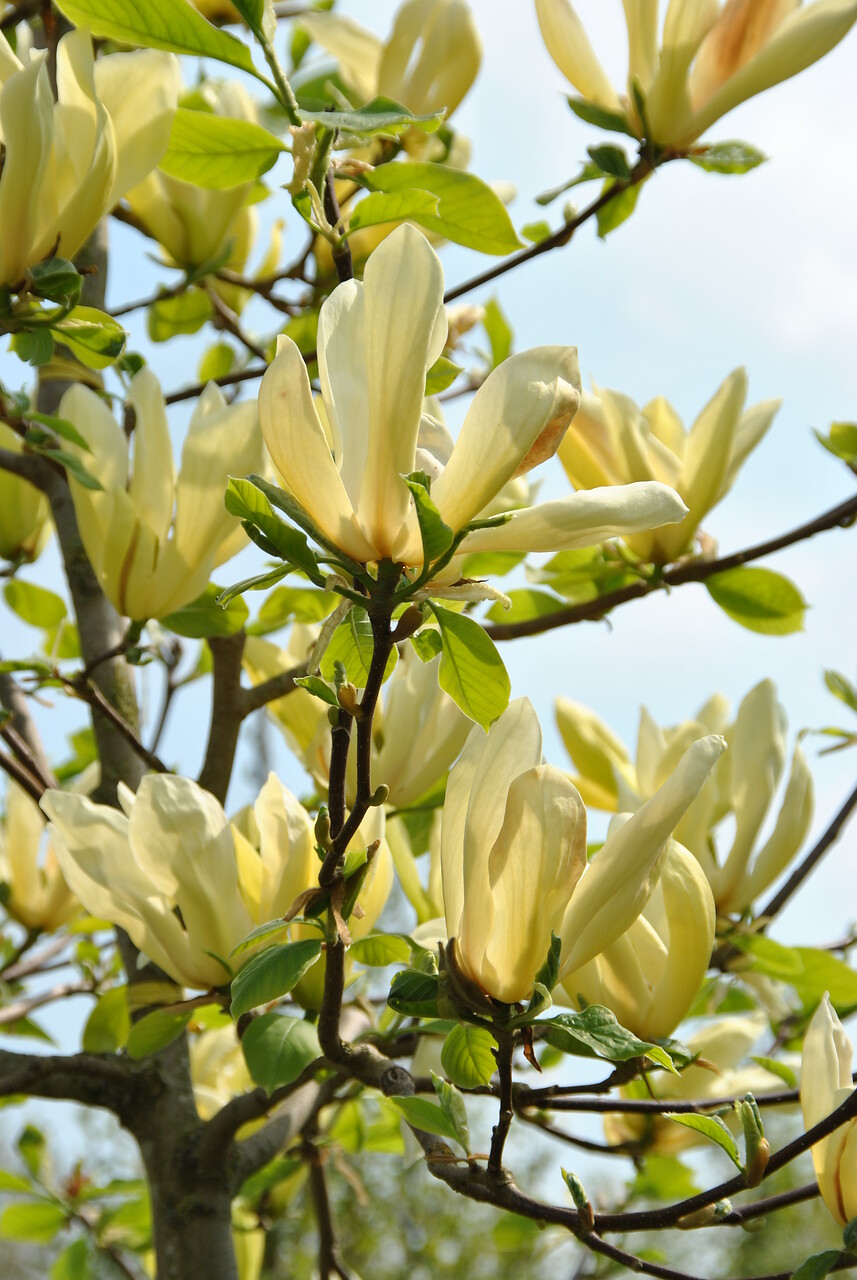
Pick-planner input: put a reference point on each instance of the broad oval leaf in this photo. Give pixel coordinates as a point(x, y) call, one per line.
point(37, 1221)
point(276, 1049)
point(109, 1024)
point(272, 973)
point(156, 1030)
point(471, 670)
point(33, 604)
point(205, 617)
point(425, 1115)
point(352, 645)
point(218, 151)
point(93, 338)
point(759, 600)
point(713, 1128)
point(414, 993)
point(381, 949)
point(727, 157)
point(468, 1055)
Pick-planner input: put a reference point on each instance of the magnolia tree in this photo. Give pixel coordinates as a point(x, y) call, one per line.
point(425, 933)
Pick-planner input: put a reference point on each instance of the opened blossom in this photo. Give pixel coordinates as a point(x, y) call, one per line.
point(513, 856)
point(32, 888)
point(154, 537)
point(650, 975)
point(25, 522)
point(612, 441)
point(825, 1084)
point(346, 465)
point(68, 162)
point(744, 787)
point(184, 883)
point(711, 56)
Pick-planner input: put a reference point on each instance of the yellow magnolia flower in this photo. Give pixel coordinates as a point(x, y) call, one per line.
point(513, 856)
point(66, 163)
point(722, 1048)
point(650, 975)
point(153, 538)
point(417, 731)
point(712, 56)
point(24, 512)
point(743, 786)
point(376, 341)
point(32, 890)
point(195, 224)
point(611, 441)
point(825, 1084)
point(183, 882)
point(428, 63)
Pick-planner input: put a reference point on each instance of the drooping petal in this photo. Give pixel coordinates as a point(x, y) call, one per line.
point(299, 448)
point(519, 415)
point(789, 833)
point(404, 332)
point(357, 50)
point(568, 44)
point(140, 91)
point(583, 519)
point(596, 751)
point(620, 879)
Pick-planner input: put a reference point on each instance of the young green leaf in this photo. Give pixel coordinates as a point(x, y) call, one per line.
point(436, 535)
point(452, 1106)
point(272, 973)
point(727, 157)
point(109, 1023)
point(277, 1049)
point(94, 338)
point(381, 116)
point(759, 600)
point(156, 1030)
point(471, 670)
point(205, 617)
point(414, 993)
point(713, 1128)
point(425, 1115)
point(218, 152)
point(33, 604)
point(467, 1055)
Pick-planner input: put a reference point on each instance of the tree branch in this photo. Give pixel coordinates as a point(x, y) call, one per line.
point(839, 516)
point(270, 690)
point(227, 713)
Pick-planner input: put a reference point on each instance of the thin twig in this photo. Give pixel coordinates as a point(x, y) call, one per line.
point(277, 686)
point(91, 694)
point(230, 322)
point(21, 774)
point(839, 516)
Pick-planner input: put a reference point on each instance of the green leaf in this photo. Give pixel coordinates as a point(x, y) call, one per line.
point(436, 535)
point(467, 1055)
point(156, 1030)
point(56, 279)
point(34, 605)
point(173, 25)
point(548, 975)
point(441, 375)
point(61, 427)
point(526, 604)
point(380, 116)
point(380, 949)
point(217, 362)
point(109, 1023)
point(257, 583)
point(393, 206)
point(619, 209)
point(713, 1128)
point(414, 993)
point(73, 1263)
point(186, 313)
point(498, 331)
point(535, 232)
point(611, 161)
point(818, 1266)
point(205, 617)
point(292, 604)
point(36, 346)
point(277, 1049)
point(93, 338)
point(841, 688)
point(269, 932)
point(31, 1148)
point(664, 1178)
point(427, 644)
point(490, 564)
point(809, 970)
point(37, 1221)
point(245, 499)
point(589, 173)
point(614, 121)
point(727, 157)
point(14, 1182)
point(468, 212)
point(425, 1115)
point(452, 1106)
point(351, 644)
point(318, 688)
point(272, 973)
point(71, 463)
point(471, 670)
point(595, 1031)
point(759, 600)
point(842, 441)
point(780, 1069)
point(218, 152)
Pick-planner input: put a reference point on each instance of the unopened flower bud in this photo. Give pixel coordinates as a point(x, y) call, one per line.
point(582, 1203)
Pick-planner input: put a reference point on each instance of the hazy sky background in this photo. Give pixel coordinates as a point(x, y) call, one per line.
point(710, 273)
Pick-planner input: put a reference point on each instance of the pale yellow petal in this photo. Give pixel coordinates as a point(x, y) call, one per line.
point(357, 50)
point(152, 487)
point(568, 44)
point(432, 56)
point(140, 91)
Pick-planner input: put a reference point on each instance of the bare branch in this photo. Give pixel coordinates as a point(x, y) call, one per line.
point(227, 713)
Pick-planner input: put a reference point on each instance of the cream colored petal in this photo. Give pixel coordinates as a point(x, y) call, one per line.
point(26, 125)
point(690, 914)
point(792, 827)
point(150, 203)
point(848, 1174)
point(594, 748)
point(152, 487)
point(344, 383)
point(286, 848)
point(587, 452)
point(641, 18)
point(299, 715)
point(432, 56)
point(568, 44)
point(621, 877)
point(666, 425)
point(644, 456)
point(404, 333)
point(750, 431)
point(297, 444)
point(379, 878)
point(709, 447)
point(518, 416)
point(357, 51)
point(668, 103)
point(182, 841)
point(535, 862)
point(743, 28)
point(802, 39)
point(581, 520)
point(140, 91)
point(825, 1084)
